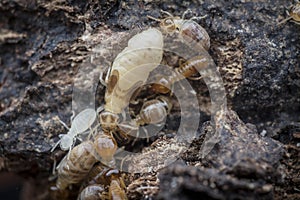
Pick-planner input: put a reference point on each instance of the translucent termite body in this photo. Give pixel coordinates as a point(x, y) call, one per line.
point(189, 30)
point(129, 71)
point(79, 161)
point(106, 147)
point(194, 35)
point(101, 177)
point(75, 166)
point(91, 192)
point(153, 111)
point(131, 68)
point(80, 124)
point(185, 70)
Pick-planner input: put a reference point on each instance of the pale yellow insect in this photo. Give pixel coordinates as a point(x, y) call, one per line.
point(153, 111)
point(192, 34)
point(129, 71)
point(101, 177)
point(131, 68)
point(189, 30)
point(76, 165)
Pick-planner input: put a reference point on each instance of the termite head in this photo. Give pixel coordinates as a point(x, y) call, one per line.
point(169, 24)
point(108, 121)
point(66, 142)
point(106, 147)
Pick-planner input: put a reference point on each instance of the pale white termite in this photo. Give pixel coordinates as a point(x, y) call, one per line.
point(129, 71)
point(80, 124)
point(132, 67)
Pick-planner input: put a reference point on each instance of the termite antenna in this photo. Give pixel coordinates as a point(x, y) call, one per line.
point(185, 13)
point(198, 18)
point(99, 109)
point(73, 115)
point(64, 124)
point(167, 13)
point(56, 144)
point(153, 18)
point(101, 79)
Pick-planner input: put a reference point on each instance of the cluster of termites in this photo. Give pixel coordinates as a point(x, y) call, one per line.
point(92, 163)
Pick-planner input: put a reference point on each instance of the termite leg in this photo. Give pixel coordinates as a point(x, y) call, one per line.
point(99, 109)
point(64, 124)
point(107, 75)
point(54, 166)
point(56, 144)
point(153, 18)
point(296, 22)
point(102, 81)
point(198, 18)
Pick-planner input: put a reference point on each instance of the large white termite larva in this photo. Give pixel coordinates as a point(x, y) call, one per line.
point(81, 123)
point(131, 68)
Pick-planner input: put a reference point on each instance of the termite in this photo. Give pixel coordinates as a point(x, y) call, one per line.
point(80, 124)
point(92, 192)
point(192, 34)
point(152, 111)
point(131, 68)
point(74, 167)
point(189, 30)
point(101, 177)
point(185, 70)
point(294, 14)
point(129, 71)
point(79, 161)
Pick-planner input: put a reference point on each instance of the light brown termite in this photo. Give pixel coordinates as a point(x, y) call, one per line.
point(192, 34)
point(116, 190)
point(92, 192)
point(76, 165)
point(99, 179)
point(189, 30)
point(153, 111)
point(185, 70)
point(105, 147)
point(294, 14)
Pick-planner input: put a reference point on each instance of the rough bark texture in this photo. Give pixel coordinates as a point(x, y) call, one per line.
point(42, 45)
